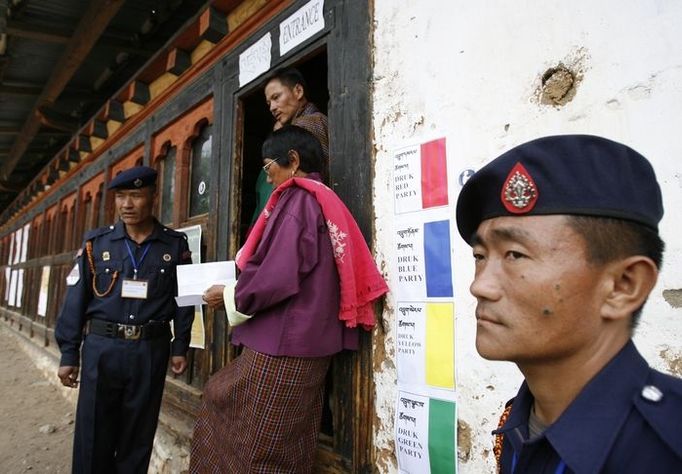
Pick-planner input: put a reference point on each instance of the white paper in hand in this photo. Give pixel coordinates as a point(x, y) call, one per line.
point(194, 279)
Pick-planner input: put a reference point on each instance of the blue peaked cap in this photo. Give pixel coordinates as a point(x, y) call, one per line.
point(564, 174)
point(134, 178)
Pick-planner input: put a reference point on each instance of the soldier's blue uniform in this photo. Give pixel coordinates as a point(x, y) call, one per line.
point(628, 418)
point(126, 343)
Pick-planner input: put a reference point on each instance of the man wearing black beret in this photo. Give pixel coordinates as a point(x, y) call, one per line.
point(564, 231)
point(116, 321)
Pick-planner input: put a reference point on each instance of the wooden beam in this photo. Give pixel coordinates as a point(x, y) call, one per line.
point(41, 133)
point(137, 92)
point(113, 110)
point(97, 128)
point(73, 155)
point(52, 119)
point(212, 25)
point(50, 34)
point(178, 61)
point(4, 7)
point(43, 33)
point(52, 177)
point(82, 143)
point(90, 28)
point(9, 187)
point(20, 90)
point(63, 164)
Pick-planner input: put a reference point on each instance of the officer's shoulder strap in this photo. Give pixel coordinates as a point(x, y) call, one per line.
point(660, 403)
point(94, 233)
point(174, 233)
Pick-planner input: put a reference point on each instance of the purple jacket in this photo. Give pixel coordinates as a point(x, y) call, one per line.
point(291, 285)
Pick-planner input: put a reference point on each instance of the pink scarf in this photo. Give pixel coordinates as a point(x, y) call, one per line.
point(360, 281)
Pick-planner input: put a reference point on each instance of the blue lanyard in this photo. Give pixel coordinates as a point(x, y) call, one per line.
point(136, 265)
point(560, 468)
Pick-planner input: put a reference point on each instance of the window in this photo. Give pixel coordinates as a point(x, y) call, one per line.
point(200, 172)
point(168, 186)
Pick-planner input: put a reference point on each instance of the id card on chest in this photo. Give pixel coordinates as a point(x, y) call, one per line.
point(134, 288)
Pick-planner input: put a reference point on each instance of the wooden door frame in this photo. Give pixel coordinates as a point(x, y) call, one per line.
point(346, 39)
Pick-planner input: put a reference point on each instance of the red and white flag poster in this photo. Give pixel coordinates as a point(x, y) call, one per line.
point(420, 178)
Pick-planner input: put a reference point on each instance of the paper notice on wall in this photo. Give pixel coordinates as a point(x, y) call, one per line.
point(425, 344)
point(44, 291)
point(24, 244)
point(302, 25)
point(20, 287)
point(17, 245)
point(423, 267)
point(13, 288)
point(422, 284)
point(420, 178)
point(198, 332)
point(8, 277)
point(425, 434)
point(10, 258)
point(255, 60)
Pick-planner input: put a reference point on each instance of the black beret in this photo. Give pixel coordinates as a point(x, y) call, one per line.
point(134, 178)
point(564, 174)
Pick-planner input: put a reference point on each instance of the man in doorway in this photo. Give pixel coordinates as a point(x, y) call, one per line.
point(285, 95)
point(564, 231)
point(119, 304)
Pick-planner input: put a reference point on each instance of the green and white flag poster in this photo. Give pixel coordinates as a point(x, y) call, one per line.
point(426, 438)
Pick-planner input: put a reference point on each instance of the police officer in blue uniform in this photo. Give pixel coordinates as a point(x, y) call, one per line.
point(564, 231)
point(116, 321)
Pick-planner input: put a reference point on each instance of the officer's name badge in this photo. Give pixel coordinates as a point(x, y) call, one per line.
point(73, 276)
point(134, 289)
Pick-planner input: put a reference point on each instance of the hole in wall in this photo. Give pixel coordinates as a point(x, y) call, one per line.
point(558, 86)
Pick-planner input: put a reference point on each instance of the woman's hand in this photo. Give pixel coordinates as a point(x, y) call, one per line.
point(214, 297)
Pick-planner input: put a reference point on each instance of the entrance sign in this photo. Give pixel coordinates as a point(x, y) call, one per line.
point(302, 25)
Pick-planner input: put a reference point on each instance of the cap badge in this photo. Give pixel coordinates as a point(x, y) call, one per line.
point(166, 257)
point(138, 183)
point(519, 192)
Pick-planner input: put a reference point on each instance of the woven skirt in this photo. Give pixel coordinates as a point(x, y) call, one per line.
point(260, 414)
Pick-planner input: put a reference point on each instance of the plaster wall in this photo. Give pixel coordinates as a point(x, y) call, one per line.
point(472, 72)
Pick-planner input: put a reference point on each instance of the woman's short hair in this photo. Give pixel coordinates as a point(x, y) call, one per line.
point(290, 137)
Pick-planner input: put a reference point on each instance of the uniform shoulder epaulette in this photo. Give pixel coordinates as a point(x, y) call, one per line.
point(174, 233)
point(660, 403)
point(91, 234)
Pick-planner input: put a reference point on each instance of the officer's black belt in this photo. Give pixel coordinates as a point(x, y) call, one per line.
point(151, 330)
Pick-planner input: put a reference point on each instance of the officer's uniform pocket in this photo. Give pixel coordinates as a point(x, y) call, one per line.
point(107, 277)
point(161, 279)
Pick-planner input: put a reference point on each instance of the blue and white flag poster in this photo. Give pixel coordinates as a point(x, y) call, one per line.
point(423, 262)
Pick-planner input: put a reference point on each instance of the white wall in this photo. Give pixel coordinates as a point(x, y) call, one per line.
point(470, 71)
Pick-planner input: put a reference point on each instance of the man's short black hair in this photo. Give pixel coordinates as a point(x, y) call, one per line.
point(608, 239)
point(290, 137)
point(290, 76)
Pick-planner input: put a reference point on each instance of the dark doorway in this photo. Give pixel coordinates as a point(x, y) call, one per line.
point(258, 123)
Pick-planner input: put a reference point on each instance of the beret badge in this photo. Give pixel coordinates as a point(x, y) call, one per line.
point(138, 183)
point(519, 192)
